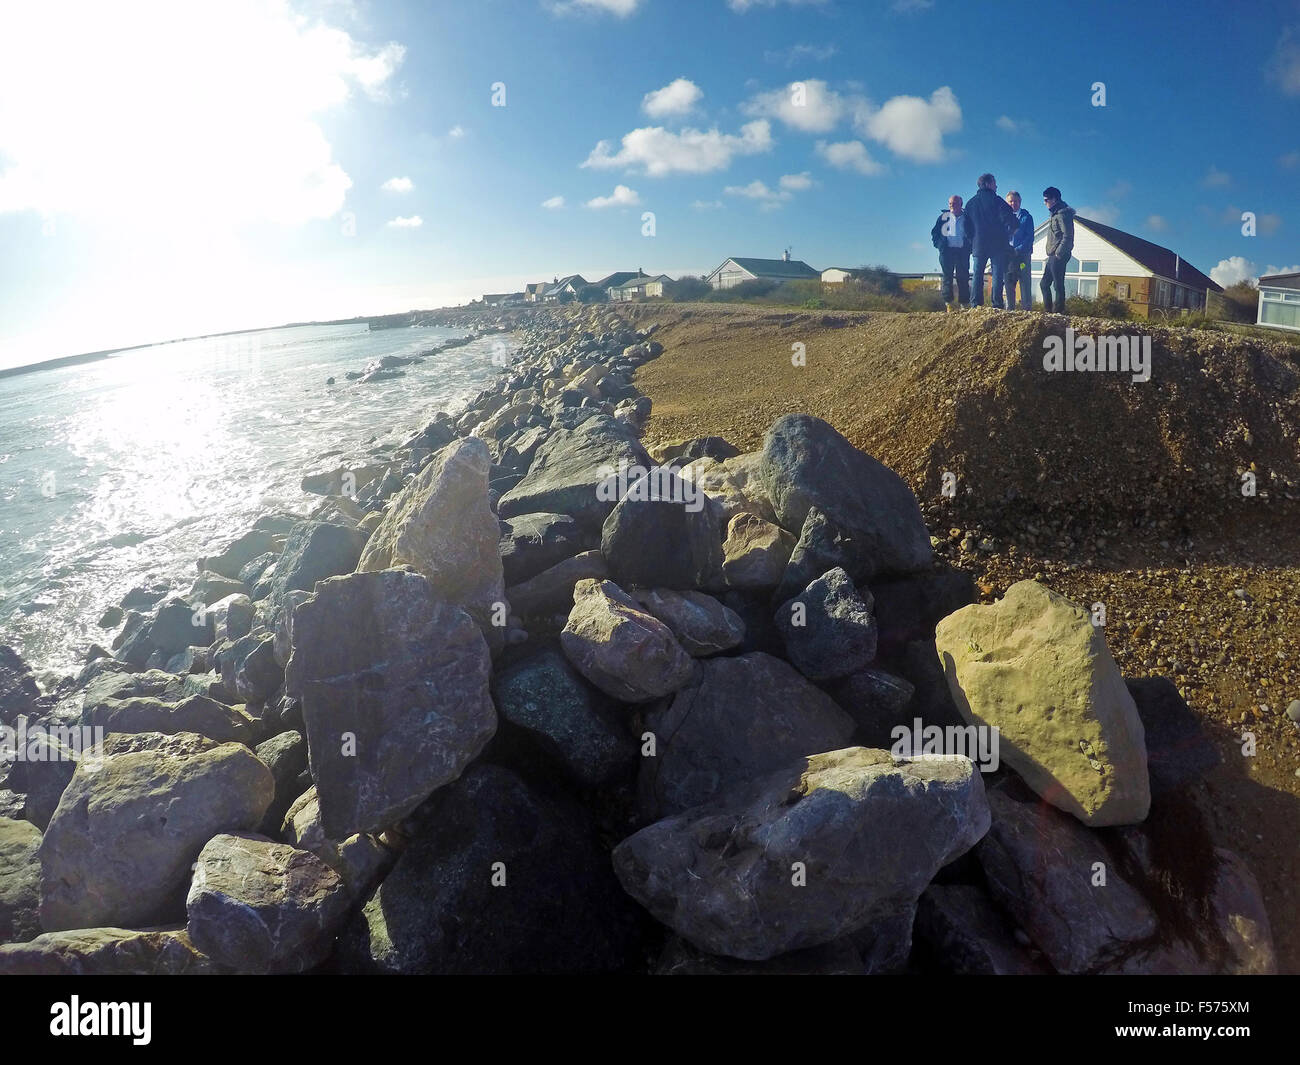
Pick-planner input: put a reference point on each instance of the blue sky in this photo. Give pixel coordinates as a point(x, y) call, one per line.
point(171, 169)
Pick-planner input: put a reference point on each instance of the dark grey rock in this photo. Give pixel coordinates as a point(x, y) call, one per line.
point(531, 543)
point(654, 539)
point(828, 629)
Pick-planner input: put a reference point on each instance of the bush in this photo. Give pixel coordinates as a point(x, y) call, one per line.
point(688, 289)
point(745, 291)
point(1105, 306)
point(1237, 303)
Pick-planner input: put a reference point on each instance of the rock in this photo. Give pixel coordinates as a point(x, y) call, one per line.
point(1035, 666)
point(664, 533)
point(877, 701)
point(360, 859)
point(441, 525)
point(249, 668)
point(543, 694)
point(130, 824)
point(285, 755)
point(232, 617)
point(20, 881)
point(739, 719)
point(621, 649)
point(139, 598)
point(1237, 907)
point(1293, 710)
point(394, 689)
point(1178, 749)
point(314, 551)
point(682, 451)
point(806, 463)
point(734, 483)
point(567, 468)
point(239, 553)
point(251, 573)
point(12, 805)
point(551, 591)
point(18, 690)
point(755, 553)
point(107, 952)
point(197, 714)
point(111, 618)
point(209, 588)
point(822, 546)
point(531, 543)
point(43, 776)
point(908, 608)
point(966, 934)
point(1040, 866)
point(868, 833)
point(701, 624)
point(828, 628)
point(263, 907)
point(496, 879)
point(283, 645)
point(338, 510)
point(342, 481)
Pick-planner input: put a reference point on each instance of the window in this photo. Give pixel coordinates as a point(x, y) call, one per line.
point(1071, 286)
point(1090, 266)
point(1282, 314)
point(1072, 267)
point(1179, 293)
point(1291, 297)
point(1088, 287)
point(1162, 294)
point(1038, 266)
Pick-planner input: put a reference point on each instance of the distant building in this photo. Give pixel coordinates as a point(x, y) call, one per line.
point(617, 278)
point(641, 286)
point(1152, 280)
point(564, 289)
point(735, 272)
point(1279, 301)
point(502, 299)
point(533, 293)
point(919, 282)
point(837, 275)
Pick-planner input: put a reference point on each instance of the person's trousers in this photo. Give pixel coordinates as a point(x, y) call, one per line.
point(1018, 273)
point(955, 262)
point(998, 264)
point(1053, 274)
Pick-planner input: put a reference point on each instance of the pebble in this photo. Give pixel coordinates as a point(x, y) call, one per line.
point(1293, 711)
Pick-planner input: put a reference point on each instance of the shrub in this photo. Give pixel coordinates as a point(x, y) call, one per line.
point(1105, 306)
point(688, 289)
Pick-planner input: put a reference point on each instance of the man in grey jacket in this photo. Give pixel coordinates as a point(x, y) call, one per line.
point(1060, 246)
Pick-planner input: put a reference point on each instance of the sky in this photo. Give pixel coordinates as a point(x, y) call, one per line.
point(172, 169)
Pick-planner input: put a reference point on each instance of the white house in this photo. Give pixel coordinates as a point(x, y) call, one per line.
point(734, 272)
point(1154, 281)
point(837, 275)
point(1279, 301)
point(638, 288)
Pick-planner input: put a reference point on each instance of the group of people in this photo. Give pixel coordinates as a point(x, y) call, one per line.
point(999, 235)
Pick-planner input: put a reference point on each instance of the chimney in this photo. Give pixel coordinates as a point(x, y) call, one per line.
point(1178, 265)
point(785, 256)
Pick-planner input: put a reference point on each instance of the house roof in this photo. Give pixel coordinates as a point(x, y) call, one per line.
point(1288, 281)
point(846, 269)
point(539, 286)
point(618, 278)
point(642, 279)
point(1160, 261)
point(792, 268)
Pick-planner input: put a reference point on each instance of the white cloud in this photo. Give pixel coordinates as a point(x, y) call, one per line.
point(412, 222)
point(1230, 271)
point(1284, 68)
point(850, 155)
point(770, 198)
point(808, 106)
point(398, 184)
point(658, 151)
point(1105, 213)
point(554, 203)
point(746, 5)
point(796, 182)
point(456, 132)
point(1157, 222)
point(622, 196)
point(707, 205)
point(1007, 124)
point(1271, 269)
point(200, 114)
point(798, 53)
point(912, 127)
point(1216, 178)
point(676, 98)
point(620, 8)
point(1119, 190)
point(755, 190)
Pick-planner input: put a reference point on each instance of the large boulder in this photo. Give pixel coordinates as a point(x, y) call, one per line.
point(394, 688)
point(551, 591)
point(963, 932)
point(360, 859)
point(806, 464)
point(622, 650)
point(755, 553)
point(249, 668)
point(131, 823)
point(877, 701)
point(210, 588)
point(18, 690)
point(237, 554)
point(258, 906)
point(821, 546)
point(107, 952)
point(531, 543)
point(232, 617)
point(664, 533)
point(197, 714)
point(830, 845)
point(285, 755)
point(442, 526)
point(496, 879)
point(568, 468)
point(20, 881)
point(1035, 667)
point(568, 717)
point(314, 551)
point(828, 628)
point(1178, 749)
point(740, 718)
point(702, 625)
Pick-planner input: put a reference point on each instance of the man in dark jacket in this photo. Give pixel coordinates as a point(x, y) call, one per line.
point(993, 223)
point(951, 236)
point(1060, 246)
point(1022, 251)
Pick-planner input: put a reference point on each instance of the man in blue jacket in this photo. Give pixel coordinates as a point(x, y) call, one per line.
point(951, 236)
point(992, 222)
point(1022, 252)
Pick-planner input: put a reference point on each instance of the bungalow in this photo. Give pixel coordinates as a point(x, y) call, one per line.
point(617, 278)
point(734, 272)
point(533, 293)
point(1154, 281)
point(566, 288)
point(641, 287)
point(1279, 301)
point(837, 275)
point(502, 299)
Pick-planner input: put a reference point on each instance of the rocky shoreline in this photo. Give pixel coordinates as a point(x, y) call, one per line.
point(528, 697)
